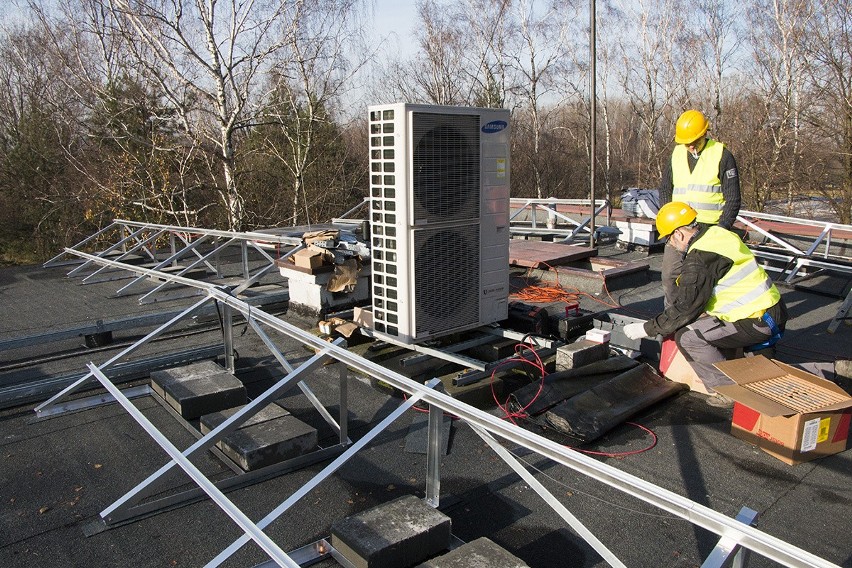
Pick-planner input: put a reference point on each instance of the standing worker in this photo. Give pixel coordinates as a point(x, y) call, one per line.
point(723, 300)
point(702, 173)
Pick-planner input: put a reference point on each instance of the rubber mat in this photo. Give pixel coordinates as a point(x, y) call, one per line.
point(595, 412)
point(565, 384)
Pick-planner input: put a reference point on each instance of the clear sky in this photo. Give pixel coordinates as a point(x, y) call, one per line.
point(395, 19)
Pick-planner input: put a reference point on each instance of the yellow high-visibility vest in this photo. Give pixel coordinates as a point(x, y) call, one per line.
point(746, 290)
point(701, 187)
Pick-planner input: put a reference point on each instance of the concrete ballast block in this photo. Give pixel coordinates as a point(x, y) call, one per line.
point(198, 389)
point(580, 353)
point(160, 378)
point(480, 553)
point(399, 533)
point(269, 437)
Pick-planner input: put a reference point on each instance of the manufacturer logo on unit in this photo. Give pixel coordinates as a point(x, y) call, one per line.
point(493, 289)
point(494, 126)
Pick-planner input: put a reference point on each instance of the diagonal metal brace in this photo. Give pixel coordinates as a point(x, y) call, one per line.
point(116, 511)
point(548, 498)
point(322, 475)
point(255, 534)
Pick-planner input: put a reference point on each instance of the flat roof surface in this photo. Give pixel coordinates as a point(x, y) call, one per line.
point(59, 474)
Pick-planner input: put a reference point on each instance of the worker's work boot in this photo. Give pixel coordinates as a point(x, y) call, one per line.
point(843, 368)
point(720, 401)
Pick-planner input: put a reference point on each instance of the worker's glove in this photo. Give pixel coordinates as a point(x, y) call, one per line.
point(635, 330)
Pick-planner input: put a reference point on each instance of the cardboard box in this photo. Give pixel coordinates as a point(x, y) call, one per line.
point(307, 258)
point(790, 414)
point(675, 367)
point(363, 317)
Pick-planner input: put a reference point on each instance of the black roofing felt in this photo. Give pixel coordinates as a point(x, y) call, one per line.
point(58, 474)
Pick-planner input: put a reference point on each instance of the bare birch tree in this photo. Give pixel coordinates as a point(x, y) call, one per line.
point(435, 76)
point(777, 29)
point(718, 41)
point(538, 56)
point(207, 58)
point(487, 29)
point(653, 76)
point(829, 52)
point(312, 73)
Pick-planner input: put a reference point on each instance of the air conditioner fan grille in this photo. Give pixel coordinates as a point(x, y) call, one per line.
point(446, 167)
point(446, 273)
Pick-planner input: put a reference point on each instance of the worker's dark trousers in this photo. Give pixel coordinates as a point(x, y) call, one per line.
point(709, 340)
point(670, 270)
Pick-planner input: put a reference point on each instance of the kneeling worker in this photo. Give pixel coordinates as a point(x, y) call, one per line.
point(723, 300)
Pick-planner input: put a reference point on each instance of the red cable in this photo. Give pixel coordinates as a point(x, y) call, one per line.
point(622, 454)
point(521, 413)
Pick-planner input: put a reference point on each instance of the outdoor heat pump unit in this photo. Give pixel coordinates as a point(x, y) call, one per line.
point(439, 219)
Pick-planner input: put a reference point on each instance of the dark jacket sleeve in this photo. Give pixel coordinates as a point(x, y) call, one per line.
point(730, 189)
point(666, 185)
point(701, 271)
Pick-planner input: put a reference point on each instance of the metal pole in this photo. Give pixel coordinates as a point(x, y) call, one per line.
point(228, 336)
point(433, 456)
point(344, 404)
point(593, 118)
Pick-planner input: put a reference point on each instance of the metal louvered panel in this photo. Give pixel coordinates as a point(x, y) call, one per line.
point(439, 219)
point(446, 167)
point(446, 278)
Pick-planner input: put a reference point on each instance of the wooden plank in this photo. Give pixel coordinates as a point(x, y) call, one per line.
point(538, 254)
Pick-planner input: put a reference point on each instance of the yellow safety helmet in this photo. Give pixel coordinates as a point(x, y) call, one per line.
point(672, 215)
point(691, 126)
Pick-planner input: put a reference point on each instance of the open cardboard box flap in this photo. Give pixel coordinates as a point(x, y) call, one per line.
point(759, 368)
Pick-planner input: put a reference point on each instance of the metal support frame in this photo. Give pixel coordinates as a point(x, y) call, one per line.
point(728, 552)
point(549, 207)
point(140, 244)
point(240, 518)
point(842, 314)
point(732, 530)
point(548, 497)
point(228, 336)
point(142, 235)
point(477, 370)
point(130, 505)
point(544, 348)
point(36, 390)
point(202, 259)
point(174, 257)
point(750, 219)
point(452, 348)
point(120, 245)
point(321, 476)
point(795, 259)
point(433, 456)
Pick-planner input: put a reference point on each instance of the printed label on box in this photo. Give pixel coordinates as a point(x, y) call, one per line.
point(824, 427)
point(810, 435)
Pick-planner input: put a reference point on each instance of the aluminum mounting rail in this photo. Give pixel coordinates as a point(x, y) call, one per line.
point(188, 248)
point(732, 530)
point(795, 256)
point(549, 209)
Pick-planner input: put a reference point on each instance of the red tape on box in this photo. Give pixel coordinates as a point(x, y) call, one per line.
point(745, 417)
